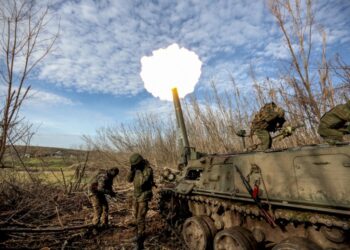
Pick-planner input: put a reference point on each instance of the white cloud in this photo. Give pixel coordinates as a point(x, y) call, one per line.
point(102, 42)
point(152, 106)
point(276, 50)
point(43, 98)
point(39, 97)
point(334, 16)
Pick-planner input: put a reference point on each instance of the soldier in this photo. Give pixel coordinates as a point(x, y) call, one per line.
point(335, 123)
point(101, 186)
point(141, 174)
point(269, 118)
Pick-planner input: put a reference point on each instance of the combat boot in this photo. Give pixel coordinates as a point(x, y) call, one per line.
point(139, 243)
point(105, 227)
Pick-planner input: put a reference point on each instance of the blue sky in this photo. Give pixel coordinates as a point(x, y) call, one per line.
point(92, 78)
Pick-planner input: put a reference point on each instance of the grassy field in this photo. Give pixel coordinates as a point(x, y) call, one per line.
point(49, 165)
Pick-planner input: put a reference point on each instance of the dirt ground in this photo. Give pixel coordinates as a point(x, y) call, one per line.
point(120, 236)
point(64, 211)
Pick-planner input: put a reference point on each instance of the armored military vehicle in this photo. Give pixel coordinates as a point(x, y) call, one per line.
point(296, 198)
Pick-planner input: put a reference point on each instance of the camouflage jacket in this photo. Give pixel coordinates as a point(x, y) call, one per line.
point(336, 117)
point(143, 182)
point(270, 117)
point(102, 183)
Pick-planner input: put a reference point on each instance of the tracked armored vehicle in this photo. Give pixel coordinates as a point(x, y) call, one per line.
point(296, 198)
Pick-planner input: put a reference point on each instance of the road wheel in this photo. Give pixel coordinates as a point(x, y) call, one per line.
point(211, 226)
point(196, 233)
point(296, 243)
point(236, 238)
point(333, 234)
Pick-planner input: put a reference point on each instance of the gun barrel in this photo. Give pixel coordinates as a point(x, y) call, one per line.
point(180, 119)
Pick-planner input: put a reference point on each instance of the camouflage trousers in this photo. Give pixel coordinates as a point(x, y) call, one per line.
point(100, 206)
point(265, 139)
point(330, 134)
point(140, 211)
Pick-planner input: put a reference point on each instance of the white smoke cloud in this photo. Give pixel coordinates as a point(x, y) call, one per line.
point(168, 68)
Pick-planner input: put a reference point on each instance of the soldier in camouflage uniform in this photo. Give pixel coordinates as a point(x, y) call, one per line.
point(269, 118)
point(335, 123)
point(141, 174)
point(101, 186)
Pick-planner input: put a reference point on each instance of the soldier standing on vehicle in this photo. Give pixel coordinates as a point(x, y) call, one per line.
point(335, 123)
point(141, 174)
point(101, 186)
point(269, 118)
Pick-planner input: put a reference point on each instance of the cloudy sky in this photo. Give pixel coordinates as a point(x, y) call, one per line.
point(92, 78)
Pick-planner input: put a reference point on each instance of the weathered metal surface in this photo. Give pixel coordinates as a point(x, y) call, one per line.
point(306, 188)
point(311, 175)
point(226, 215)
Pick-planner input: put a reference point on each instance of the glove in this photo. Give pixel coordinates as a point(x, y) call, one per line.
point(241, 133)
point(287, 131)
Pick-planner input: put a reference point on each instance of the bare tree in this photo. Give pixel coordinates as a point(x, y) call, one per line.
point(25, 41)
point(342, 71)
point(312, 89)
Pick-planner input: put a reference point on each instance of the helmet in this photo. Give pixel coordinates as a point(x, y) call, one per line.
point(113, 171)
point(135, 159)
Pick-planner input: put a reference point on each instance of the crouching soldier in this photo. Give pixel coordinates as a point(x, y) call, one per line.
point(141, 174)
point(101, 186)
point(270, 118)
point(335, 123)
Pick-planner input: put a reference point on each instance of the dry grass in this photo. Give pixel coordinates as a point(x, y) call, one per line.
point(39, 205)
point(212, 124)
